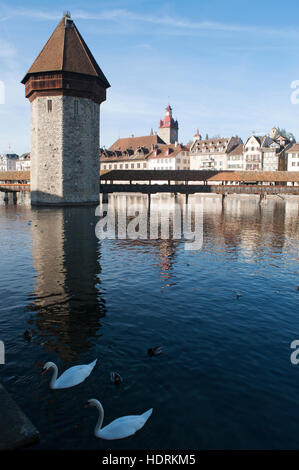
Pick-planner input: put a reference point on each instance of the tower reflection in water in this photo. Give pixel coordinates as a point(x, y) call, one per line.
point(67, 301)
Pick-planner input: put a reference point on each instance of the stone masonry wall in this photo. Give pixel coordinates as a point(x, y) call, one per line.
point(80, 167)
point(46, 150)
point(64, 151)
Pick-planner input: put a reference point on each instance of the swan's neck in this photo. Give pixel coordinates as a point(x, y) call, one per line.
point(54, 376)
point(101, 418)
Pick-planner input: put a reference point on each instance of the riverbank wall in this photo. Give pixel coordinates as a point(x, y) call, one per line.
point(16, 430)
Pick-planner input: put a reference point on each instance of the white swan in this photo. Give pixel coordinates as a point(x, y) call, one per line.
point(119, 428)
point(71, 377)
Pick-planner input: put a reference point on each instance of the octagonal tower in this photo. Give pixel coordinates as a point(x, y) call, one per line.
point(65, 87)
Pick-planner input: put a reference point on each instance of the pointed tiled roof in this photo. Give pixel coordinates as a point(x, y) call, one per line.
point(66, 51)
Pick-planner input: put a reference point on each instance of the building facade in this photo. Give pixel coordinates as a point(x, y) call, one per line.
point(169, 157)
point(253, 154)
point(65, 87)
point(292, 158)
point(235, 158)
point(211, 153)
point(129, 153)
point(24, 162)
point(142, 153)
point(8, 162)
point(266, 152)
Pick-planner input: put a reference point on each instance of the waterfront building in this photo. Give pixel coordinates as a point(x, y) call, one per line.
point(169, 128)
point(235, 158)
point(24, 162)
point(129, 153)
point(266, 152)
point(292, 158)
point(169, 157)
point(65, 87)
point(145, 152)
point(253, 154)
point(8, 161)
point(211, 153)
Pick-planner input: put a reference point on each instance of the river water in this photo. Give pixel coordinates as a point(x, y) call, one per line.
point(224, 379)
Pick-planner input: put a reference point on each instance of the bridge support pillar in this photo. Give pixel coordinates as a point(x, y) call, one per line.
point(11, 198)
point(149, 200)
point(105, 198)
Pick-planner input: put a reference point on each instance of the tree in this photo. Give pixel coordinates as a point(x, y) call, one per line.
point(286, 134)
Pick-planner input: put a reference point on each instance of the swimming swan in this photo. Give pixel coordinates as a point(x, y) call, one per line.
point(71, 377)
point(119, 428)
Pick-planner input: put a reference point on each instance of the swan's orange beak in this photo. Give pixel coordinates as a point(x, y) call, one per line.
point(44, 371)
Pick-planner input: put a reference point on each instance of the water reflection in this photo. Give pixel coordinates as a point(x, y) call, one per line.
point(67, 301)
point(239, 224)
point(159, 207)
point(225, 368)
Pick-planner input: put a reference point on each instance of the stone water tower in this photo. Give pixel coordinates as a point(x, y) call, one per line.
point(65, 87)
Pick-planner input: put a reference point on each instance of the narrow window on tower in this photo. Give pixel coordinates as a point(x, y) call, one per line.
point(76, 107)
point(49, 106)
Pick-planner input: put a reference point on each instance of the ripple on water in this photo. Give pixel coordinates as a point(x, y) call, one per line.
point(224, 379)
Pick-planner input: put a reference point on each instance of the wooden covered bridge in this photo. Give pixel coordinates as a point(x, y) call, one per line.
point(200, 181)
point(176, 181)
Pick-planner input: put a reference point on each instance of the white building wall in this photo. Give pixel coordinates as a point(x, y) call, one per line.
point(293, 161)
point(270, 161)
point(235, 162)
point(124, 165)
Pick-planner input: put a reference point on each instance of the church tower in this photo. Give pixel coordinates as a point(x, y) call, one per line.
point(168, 128)
point(65, 87)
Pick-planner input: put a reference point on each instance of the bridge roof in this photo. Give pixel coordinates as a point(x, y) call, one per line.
point(14, 176)
point(177, 175)
point(201, 175)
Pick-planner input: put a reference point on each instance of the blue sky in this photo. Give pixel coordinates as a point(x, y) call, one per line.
point(225, 66)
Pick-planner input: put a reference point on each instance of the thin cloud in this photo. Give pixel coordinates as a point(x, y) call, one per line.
point(185, 26)
point(7, 50)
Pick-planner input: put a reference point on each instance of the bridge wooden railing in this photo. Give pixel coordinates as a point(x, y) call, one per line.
point(14, 187)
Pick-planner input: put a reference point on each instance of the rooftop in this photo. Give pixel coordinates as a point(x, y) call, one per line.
point(135, 142)
point(66, 51)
